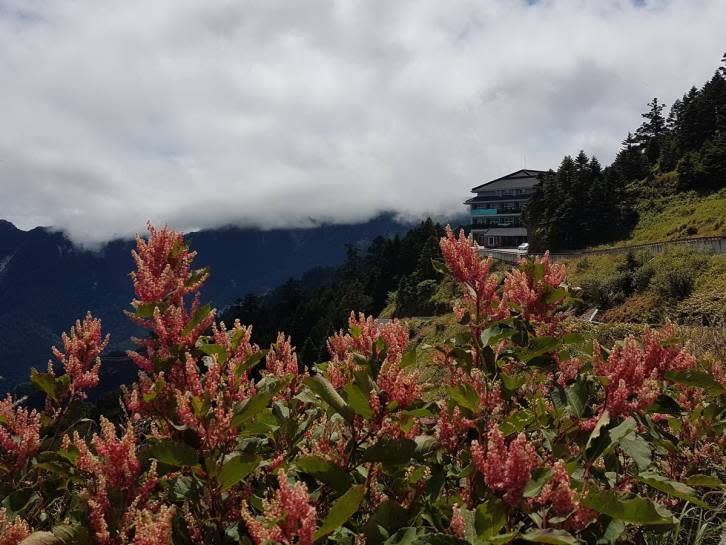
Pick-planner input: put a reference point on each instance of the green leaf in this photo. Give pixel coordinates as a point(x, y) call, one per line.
point(465, 396)
point(41, 538)
point(513, 382)
point(636, 510)
point(555, 295)
point(540, 476)
point(251, 361)
point(71, 534)
point(199, 316)
point(325, 471)
point(439, 266)
point(146, 310)
point(698, 379)
point(251, 407)
point(550, 535)
point(489, 518)
point(576, 396)
point(388, 518)
point(54, 387)
point(390, 451)
point(672, 488)
point(358, 400)
point(516, 422)
point(704, 480)
point(344, 508)
point(409, 357)
point(320, 385)
point(235, 469)
point(174, 453)
point(404, 536)
point(638, 449)
point(665, 404)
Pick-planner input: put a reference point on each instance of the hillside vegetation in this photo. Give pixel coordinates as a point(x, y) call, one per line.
point(679, 215)
point(655, 182)
point(505, 427)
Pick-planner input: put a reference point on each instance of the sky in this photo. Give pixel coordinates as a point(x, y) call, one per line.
point(290, 113)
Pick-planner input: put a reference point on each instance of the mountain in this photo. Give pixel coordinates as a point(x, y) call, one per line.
point(46, 282)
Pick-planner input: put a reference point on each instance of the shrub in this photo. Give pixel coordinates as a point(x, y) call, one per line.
point(521, 432)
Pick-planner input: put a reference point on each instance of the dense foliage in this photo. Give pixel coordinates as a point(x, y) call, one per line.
point(582, 204)
point(517, 433)
point(318, 304)
point(679, 284)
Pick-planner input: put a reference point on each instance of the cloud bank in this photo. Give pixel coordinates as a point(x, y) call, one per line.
point(277, 113)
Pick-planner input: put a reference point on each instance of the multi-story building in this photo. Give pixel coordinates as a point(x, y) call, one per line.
point(496, 209)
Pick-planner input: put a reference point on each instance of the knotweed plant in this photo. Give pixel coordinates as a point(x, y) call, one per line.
point(518, 432)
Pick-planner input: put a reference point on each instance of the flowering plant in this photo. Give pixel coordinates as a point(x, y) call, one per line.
point(513, 431)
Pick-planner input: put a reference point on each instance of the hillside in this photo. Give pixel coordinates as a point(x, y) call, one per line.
point(46, 282)
point(679, 215)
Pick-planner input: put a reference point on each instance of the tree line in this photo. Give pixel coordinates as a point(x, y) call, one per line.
point(582, 203)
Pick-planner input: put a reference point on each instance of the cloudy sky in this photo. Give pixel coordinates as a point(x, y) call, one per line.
point(279, 113)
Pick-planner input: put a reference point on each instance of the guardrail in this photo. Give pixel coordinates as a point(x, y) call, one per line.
point(716, 245)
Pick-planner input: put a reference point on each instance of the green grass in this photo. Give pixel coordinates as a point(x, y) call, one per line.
point(677, 216)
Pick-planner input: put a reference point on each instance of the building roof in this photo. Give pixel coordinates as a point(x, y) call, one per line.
point(503, 231)
point(517, 175)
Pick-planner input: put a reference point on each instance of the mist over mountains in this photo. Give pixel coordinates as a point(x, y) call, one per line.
point(47, 282)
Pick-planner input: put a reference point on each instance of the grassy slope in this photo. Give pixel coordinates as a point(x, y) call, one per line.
point(677, 216)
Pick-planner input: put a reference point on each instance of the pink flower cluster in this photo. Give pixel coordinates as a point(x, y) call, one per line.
point(289, 514)
point(452, 427)
point(81, 355)
point(529, 288)
point(221, 387)
point(396, 384)
point(115, 457)
point(162, 280)
point(558, 493)
point(467, 267)
point(13, 530)
point(457, 526)
point(505, 468)
point(19, 433)
point(281, 361)
point(635, 372)
point(153, 528)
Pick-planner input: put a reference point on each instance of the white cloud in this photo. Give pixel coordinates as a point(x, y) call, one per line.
point(271, 113)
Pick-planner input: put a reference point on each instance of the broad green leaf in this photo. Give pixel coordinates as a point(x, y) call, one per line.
point(439, 266)
point(698, 379)
point(550, 535)
point(199, 316)
point(409, 357)
point(665, 404)
point(440, 539)
point(390, 451)
point(251, 361)
point(704, 480)
point(41, 538)
point(358, 400)
point(387, 519)
point(465, 396)
point(71, 534)
point(577, 397)
point(404, 536)
point(54, 387)
point(540, 476)
point(489, 518)
point(327, 393)
point(513, 382)
point(516, 422)
point(672, 488)
point(636, 510)
point(325, 471)
point(251, 407)
point(638, 449)
point(235, 469)
point(343, 508)
point(146, 310)
point(174, 453)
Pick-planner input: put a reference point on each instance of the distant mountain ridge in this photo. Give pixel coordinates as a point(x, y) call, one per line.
point(46, 282)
